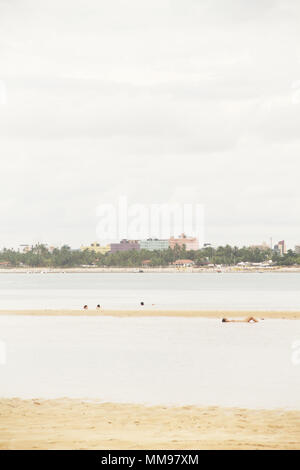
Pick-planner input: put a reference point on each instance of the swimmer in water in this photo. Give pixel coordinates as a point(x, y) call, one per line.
point(85, 307)
point(98, 307)
point(245, 320)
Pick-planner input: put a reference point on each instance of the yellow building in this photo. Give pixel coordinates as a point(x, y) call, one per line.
point(95, 246)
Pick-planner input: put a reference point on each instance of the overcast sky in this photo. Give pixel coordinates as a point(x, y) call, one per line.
point(161, 100)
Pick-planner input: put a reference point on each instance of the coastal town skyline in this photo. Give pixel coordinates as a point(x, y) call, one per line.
point(156, 244)
point(267, 241)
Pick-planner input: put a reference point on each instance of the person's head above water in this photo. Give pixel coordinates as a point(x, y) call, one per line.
point(85, 307)
point(98, 306)
point(142, 303)
point(224, 320)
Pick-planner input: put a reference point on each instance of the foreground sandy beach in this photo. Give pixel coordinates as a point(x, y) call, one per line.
point(73, 424)
point(284, 315)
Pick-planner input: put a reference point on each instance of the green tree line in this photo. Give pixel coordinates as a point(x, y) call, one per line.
point(40, 256)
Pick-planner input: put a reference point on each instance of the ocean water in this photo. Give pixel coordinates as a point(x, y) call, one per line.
point(259, 291)
point(154, 360)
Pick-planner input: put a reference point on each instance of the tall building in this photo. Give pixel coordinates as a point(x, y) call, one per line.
point(154, 244)
point(97, 248)
point(191, 243)
point(280, 248)
point(263, 247)
point(124, 245)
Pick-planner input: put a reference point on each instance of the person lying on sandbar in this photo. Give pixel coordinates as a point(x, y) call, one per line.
point(244, 320)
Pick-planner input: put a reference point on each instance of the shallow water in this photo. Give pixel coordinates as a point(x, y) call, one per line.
point(152, 360)
point(229, 291)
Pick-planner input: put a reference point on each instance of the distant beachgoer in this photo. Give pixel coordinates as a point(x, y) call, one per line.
point(245, 320)
point(98, 306)
point(85, 307)
point(142, 304)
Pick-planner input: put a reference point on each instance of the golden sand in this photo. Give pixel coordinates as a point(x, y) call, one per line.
point(287, 315)
point(73, 424)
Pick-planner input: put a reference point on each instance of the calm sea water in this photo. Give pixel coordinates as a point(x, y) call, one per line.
point(265, 291)
point(152, 360)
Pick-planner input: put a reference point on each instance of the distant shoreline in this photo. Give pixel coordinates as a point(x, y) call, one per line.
point(222, 270)
point(213, 314)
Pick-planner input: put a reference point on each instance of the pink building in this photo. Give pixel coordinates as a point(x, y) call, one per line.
point(191, 243)
point(124, 245)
